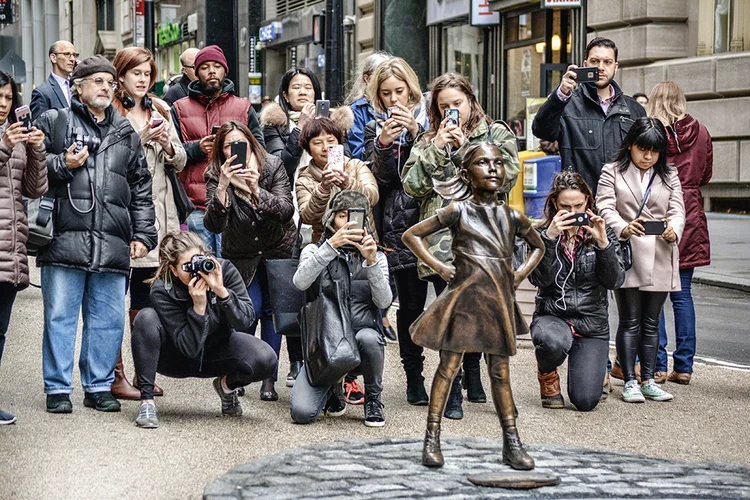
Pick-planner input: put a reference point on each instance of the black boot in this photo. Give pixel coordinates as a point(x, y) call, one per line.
point(473, 385)
point(415, 392)
point(453, 408)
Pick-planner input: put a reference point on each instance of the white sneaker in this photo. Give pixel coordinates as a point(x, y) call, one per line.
point(653, 391)
point(632, 393)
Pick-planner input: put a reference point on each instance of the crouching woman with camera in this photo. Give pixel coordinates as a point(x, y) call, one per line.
point(197, 327)
point(346, 263)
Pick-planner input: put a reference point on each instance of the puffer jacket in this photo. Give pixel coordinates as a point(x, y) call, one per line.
point(396, 211)
point(363, 114)
point(588, 137)
point(115, 181)
point(191, 332)
point(194, 116)
point(23, 172)
point(579, 296)
point(312, 201)
point(251, 232)
point(167, 219)
point(427, 163)
point(691, 152)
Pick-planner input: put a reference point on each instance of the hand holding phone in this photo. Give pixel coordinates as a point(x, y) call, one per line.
point(156, 121)
point(23, 115)
point(654, 227)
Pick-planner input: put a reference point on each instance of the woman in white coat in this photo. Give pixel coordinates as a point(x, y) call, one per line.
point(637, 192)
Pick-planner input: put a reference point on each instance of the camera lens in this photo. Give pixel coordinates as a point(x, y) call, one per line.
point(207, 266)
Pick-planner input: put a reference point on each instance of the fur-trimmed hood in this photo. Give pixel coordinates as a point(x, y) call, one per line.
point(273, 116)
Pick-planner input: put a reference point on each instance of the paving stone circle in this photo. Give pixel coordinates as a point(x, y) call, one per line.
point(391, 468)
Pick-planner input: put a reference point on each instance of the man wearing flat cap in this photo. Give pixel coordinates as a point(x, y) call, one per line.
point(103, 216)
point(210, 102)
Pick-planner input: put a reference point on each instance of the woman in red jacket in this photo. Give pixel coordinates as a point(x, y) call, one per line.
point(691, 153)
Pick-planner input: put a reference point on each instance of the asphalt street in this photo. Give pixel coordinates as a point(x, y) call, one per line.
point(94, 455)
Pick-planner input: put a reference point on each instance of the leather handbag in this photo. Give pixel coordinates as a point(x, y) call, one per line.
point(626, 249)
point(329, 346)
point(39, 210)
point(286, 299)
point(181, 199)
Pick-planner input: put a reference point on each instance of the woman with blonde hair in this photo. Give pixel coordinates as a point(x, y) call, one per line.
point(360, 104)
point(150, 117)
point(690, 151)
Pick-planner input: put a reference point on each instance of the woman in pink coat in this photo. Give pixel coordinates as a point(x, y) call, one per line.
point(636, 192)
point(690, 152)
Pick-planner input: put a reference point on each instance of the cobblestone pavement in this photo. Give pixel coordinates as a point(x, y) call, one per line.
point(391, 468)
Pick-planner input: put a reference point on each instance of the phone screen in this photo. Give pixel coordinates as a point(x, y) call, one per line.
point(452, 114)
point(239, 148)
point(357, 215)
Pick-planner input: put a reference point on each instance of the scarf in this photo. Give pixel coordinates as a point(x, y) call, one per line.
point(241, 189)
point(304, 160)
point(420, 115)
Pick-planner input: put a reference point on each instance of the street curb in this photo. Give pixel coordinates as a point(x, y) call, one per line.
point(721, 284)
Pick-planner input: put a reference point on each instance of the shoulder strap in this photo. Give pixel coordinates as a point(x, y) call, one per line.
point(47, 203)
point(646, 194)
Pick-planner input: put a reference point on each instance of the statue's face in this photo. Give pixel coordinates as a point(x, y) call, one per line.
point(485, 171)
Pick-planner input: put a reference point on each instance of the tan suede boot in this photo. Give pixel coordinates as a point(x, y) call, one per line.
point(549, 388)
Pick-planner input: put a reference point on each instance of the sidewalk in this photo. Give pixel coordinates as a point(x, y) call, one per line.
point(730, 252)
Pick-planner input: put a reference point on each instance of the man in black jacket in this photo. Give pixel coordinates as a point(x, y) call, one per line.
point(103, 217)
point(55, 93)
point(588, 120)
point(180, 88)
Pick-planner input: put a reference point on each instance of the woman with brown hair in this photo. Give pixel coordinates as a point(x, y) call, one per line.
point(571, 320)
point(250, 205)
point(690, 151)
point(434, 158)
point(150, 117)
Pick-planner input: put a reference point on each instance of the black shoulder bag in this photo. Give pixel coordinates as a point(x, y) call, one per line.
point(626, 250)
point(286, 299)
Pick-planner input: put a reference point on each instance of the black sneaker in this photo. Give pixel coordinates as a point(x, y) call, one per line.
point(294, 369)
point(230, 403)
point(101, 401)
point(59, 403)
point(415, 393)
point(6, 418)
point(336, 404)
point(390, 334)
point(374, 412)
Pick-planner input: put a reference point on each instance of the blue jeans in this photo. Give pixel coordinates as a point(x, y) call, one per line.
point(684, 325)
point(101, 299)
point(195, 225)
point(259, 295)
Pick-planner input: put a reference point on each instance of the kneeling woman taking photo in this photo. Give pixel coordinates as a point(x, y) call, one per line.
point(346, 263)
point(197, 327)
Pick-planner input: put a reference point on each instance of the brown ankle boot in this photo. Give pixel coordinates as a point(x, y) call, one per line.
point(431, 454)
point(549, 388)
point(121, 388)
point(513, 452)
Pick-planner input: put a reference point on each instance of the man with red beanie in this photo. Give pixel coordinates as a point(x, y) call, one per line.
point(210, 102)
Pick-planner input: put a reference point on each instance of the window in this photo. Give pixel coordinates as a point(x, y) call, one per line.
point(722, 25)
point(464, 54)
point(105, 15)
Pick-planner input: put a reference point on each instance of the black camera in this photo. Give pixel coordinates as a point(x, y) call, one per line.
point(82, 138)
point(199, 264)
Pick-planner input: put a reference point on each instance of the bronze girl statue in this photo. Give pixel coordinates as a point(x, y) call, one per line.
point(478, 310)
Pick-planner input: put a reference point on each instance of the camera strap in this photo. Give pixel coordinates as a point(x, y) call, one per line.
point(646, 194)
point(47, 205)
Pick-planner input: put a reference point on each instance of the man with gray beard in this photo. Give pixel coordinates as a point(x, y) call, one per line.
point(103, 217)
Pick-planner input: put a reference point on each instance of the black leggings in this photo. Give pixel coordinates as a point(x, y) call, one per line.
point(242, 357)
point(412, 295)
point(638, 331)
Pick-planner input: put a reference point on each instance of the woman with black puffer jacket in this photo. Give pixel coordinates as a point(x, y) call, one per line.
point(581, 262)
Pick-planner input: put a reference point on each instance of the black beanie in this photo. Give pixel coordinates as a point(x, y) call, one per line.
point(91, 65)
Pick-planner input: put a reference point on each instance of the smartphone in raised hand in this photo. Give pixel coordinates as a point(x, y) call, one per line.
point(322, 107)
point(239, 148)
point(336, 157)
point(23, 115)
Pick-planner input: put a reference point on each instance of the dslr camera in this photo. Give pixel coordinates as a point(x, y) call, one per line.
point(82, 138)
point(197, 264)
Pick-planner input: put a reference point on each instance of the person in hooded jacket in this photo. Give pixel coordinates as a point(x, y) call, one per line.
point(571, 319)
point(690, 151)
point(210, 103)
point(360, 104)
point(198, 325)
point(348, 258)
point(23, 172)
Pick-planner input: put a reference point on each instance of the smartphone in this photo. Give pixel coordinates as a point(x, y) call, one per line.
point(322, 106)
point(239, 148)
point(336, 156)
point(215, 129)
point(391, 109)
point(587, 74)
point(156, 122)
point(23, 115)
point(357, 215)
point(654, 227)
point(452, 114)
point(580, 219)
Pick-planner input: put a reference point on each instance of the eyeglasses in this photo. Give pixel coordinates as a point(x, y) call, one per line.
point(100, 82)
point(69, 55)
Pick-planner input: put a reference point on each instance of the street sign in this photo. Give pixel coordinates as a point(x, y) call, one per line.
point(6, 12)
point(561, 4)
point(481, 15)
